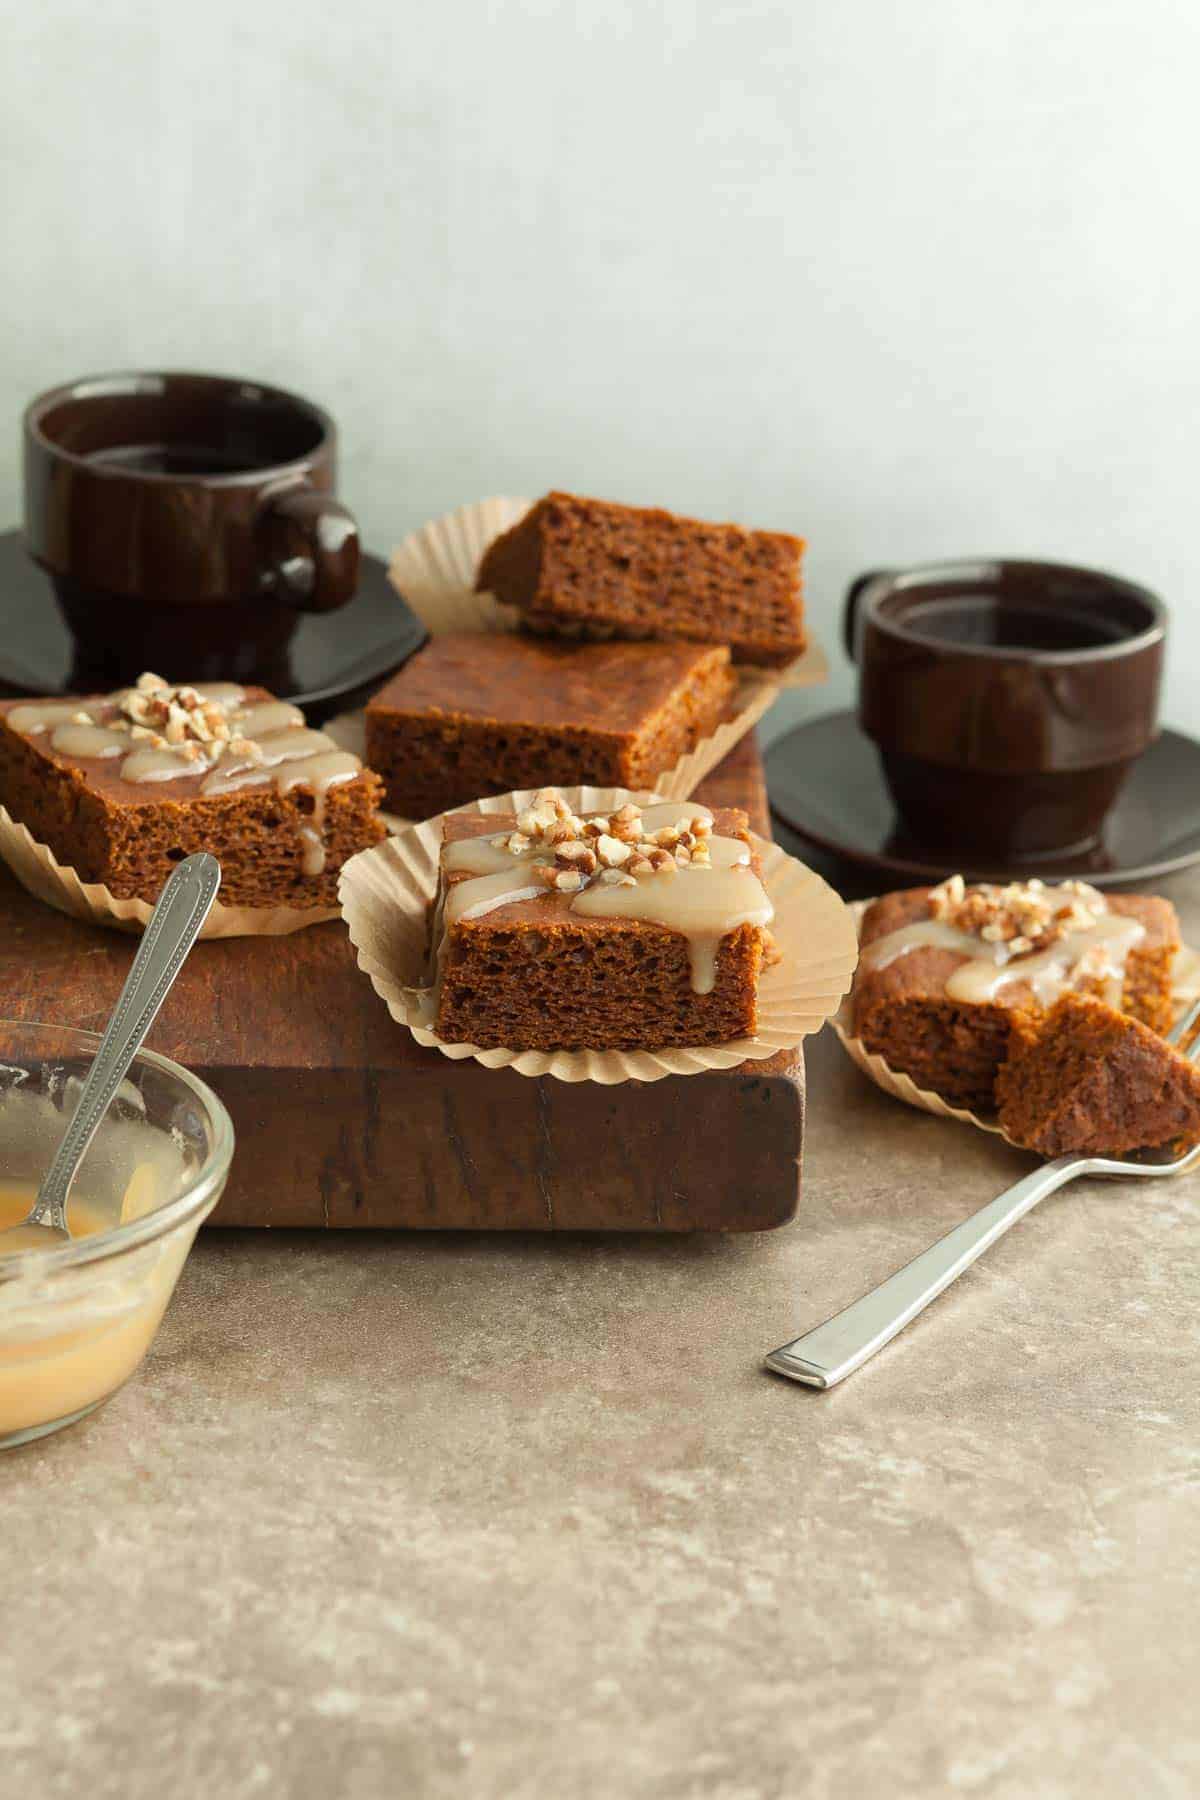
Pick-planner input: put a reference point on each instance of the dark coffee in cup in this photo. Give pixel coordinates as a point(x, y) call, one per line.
point(178, 459)
point(1008, 700)
point(186, 522)
point(982, 619)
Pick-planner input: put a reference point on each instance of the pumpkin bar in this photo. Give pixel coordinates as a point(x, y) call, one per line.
point(1086, 1079)
point(943, 970)
point(123, 786)
point(478, 713)
point(594, 568)
point(640, 930)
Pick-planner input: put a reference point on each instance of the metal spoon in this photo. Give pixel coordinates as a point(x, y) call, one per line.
point(172, 929)
point(827, 1354)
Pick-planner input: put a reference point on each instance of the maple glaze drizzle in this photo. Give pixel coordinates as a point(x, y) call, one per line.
point(702, 904)
point(1100, 952)
point(284, 753)
point(36, 716)
point(88, 740)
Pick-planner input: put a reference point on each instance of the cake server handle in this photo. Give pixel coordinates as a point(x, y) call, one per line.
point(830, 1352)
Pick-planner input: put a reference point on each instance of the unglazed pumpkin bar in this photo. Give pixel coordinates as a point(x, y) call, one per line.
point(943, 971)
point(477, 713)
point(123, 786)
point(594, 568)
point(640, 930)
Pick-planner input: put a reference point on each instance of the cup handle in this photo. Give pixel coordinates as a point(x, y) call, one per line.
point(310, 550)
point(850, 608)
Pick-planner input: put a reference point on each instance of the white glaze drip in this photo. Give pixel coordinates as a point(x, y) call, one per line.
point(267, 715)
point(728, 853)
point(276, 747)
point(166, 764)
point(704, 904)
point(88, 740)
point(312, 858)
point(39, 715)
point(472, 899)
point(479, 856)
point(922, 934)
point(320, 773)
point(671, 812)
point(225, 694)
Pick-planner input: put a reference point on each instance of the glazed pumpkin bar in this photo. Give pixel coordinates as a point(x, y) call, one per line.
point(594, 568)
point(943, 970)
point(478, 713)
point(123, 786)
point(640, 930)
point(1086, 1079)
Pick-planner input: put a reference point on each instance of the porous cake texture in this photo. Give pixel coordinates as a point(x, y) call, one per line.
point(594, 567)
point(123, 786)
point(1036, 941)
point(1086, 1079)
point(479, 713)
point(535, 972)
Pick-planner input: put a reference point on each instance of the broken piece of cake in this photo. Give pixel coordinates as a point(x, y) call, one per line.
point(1086, 1079)
point(123, 786)
point(595, 568)
point(943, 970)
point(478, 713)
point(642, 929)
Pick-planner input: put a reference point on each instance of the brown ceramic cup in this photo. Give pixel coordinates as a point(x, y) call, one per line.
point(186, 522)
point(1008, 700)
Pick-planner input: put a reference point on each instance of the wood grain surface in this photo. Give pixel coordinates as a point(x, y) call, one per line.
point(342, 1120)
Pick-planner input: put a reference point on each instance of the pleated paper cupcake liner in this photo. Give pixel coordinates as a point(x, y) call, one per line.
point(386, 892)
point(1186, 987)
point(41, 874)
point(434, 568)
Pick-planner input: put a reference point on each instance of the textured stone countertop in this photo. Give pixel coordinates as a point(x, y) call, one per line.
point(522, 1517)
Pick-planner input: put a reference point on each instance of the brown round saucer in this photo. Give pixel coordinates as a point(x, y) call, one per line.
point(335, 659)
point(825, 782)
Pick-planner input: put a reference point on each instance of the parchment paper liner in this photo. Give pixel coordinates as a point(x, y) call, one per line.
point(38, 871)
point(434, 569)
point(903, 1087)
point(385, 893)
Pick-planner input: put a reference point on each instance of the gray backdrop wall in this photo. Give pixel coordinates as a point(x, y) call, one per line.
point(914, 280)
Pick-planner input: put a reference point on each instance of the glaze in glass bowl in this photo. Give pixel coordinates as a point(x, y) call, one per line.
point(75, 1322)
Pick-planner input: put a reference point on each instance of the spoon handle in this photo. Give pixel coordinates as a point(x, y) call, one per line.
point(830, 1352)
point(173, 928)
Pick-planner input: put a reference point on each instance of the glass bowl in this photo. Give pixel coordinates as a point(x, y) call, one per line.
point(75, 1322)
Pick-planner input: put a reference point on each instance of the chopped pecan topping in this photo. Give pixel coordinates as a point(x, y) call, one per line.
point(613, 848)
point(577, 855)
point(612, 851)
point(179, 716)
point(1020, 919)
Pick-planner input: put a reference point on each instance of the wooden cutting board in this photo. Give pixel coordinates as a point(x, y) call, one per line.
point(342, 1120)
